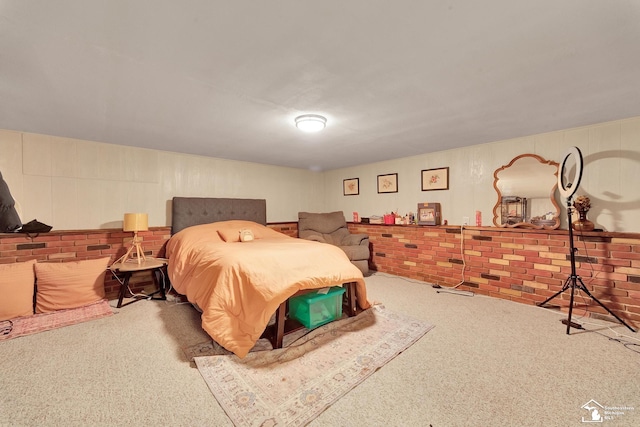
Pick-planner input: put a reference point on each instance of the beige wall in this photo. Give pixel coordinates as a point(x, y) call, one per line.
point(611, 154)
point(74, 184)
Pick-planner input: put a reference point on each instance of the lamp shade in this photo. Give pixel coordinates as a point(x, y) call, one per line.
point(136, 222)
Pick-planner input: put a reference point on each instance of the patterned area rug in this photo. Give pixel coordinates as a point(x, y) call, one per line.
point(43, 322)
point(293, 385)
point(212, 348)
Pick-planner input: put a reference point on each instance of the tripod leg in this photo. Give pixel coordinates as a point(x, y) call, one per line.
point(586, 291)
point(573, 288)
point(564, 288)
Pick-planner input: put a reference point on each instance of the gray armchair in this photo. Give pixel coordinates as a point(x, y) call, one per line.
point(332, 228)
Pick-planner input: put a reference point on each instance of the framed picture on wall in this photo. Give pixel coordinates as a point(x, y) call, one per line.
point(351, 186)
point(388, 183)
point(435, 179)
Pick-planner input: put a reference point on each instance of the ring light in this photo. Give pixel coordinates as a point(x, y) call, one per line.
point(568, 187)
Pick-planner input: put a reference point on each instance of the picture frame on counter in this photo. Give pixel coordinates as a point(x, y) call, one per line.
point(351, 186)
point(429, 214)
point(388, 183)
point(435, 179)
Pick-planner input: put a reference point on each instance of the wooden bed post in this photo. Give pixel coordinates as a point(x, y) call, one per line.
point(276, 341)
point(351, 299)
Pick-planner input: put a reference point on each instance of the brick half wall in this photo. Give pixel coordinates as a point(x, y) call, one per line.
point(64, 246)
point(521, 265)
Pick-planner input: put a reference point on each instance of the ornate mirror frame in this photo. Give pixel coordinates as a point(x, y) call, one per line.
point(520, 173)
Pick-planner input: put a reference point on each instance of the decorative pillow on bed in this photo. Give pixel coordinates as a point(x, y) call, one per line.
point(230, 231)
point(16, 289)
point(246, 235)
point(69, 284)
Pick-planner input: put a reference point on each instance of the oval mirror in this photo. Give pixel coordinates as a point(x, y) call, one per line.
point(526, 188)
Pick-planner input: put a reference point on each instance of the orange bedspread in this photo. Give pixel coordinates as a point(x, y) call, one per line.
point(239, 285)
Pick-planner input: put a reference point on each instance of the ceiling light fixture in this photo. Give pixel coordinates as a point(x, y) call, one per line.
point(311, 122)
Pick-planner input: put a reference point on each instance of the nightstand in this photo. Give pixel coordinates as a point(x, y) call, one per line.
point(154, 265)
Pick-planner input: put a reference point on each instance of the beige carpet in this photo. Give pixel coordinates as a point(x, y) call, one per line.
point(293, 385)
point(488, 362)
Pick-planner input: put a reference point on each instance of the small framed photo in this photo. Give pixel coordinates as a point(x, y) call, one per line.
point(429, 214)
point(388, 183)
point(351, 186)
point(435, 179)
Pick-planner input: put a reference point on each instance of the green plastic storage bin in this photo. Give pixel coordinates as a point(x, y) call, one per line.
point(315, 309)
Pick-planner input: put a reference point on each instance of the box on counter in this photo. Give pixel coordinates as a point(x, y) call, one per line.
point(429, 214)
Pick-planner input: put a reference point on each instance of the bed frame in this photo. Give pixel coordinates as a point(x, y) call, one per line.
point(188, 211)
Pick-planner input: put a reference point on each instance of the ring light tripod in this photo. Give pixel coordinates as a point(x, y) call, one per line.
point(567, 190)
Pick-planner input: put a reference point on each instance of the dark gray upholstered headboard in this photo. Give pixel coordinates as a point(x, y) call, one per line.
point(188, 211)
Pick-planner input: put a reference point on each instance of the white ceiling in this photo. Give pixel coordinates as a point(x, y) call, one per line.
point(394, 78)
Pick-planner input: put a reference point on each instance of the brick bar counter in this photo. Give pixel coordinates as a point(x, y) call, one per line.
point(76, 245)
point(522, 265)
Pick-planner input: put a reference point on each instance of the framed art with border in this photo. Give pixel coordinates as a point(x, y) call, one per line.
point(435, 179)
point(429, 214)
point(351, 186)
point(388, 183)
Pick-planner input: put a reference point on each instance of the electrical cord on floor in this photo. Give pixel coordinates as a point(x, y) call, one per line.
point(453, 289)
point(635, 347)
point(618, 336)
point(133, 295)
point(177, 299)
point(419, 282)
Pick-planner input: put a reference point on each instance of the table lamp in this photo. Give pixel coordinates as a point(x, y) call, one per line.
point(135, 222)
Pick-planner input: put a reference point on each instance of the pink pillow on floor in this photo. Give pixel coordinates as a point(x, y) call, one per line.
point(69, 284)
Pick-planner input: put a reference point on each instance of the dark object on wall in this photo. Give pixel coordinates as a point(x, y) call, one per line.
point(429, 214)
point(9, 219)
point(35, 226)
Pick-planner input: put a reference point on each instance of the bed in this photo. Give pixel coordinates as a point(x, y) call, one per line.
point(239, 286)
